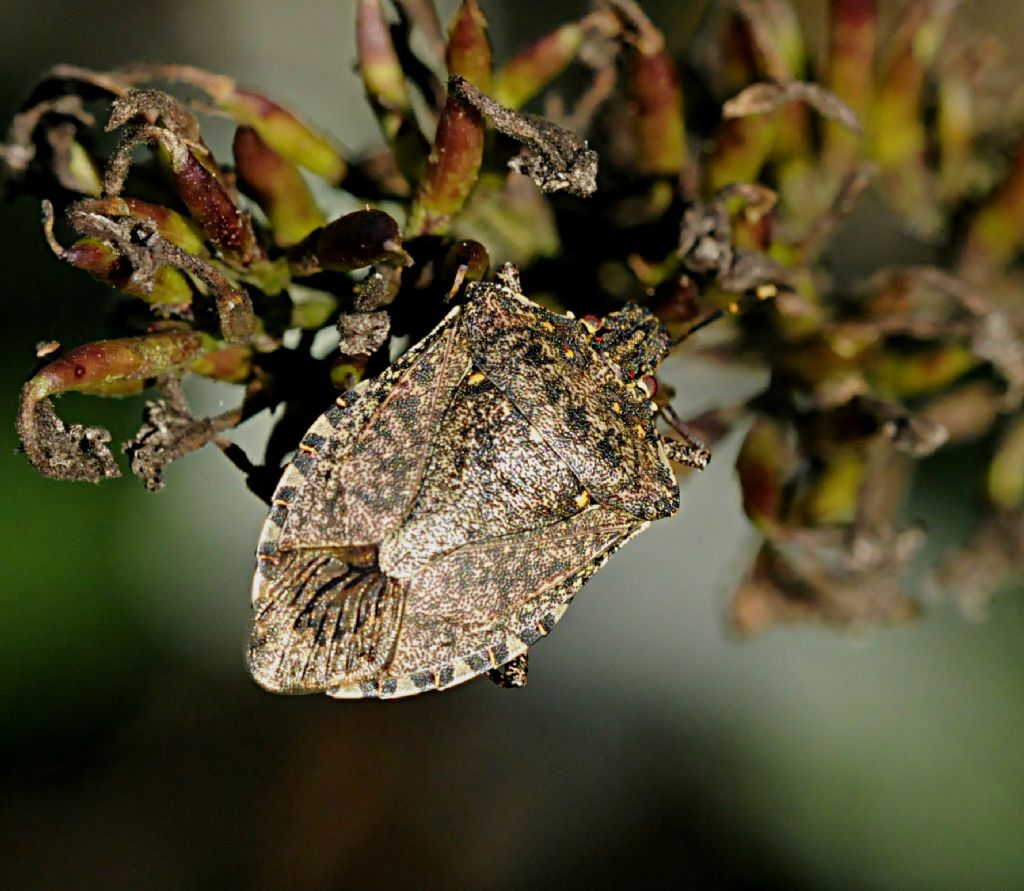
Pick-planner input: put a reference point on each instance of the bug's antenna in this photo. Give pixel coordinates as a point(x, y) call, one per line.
point(762, 292)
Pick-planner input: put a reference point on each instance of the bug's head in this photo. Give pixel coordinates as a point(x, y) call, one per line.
point(633, 339)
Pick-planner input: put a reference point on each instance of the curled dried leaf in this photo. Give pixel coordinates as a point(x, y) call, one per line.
point(118, 366)
point(169, 224)
point(169, 432)
point(20, 149)
point(764, 98)
point(114, 83)
point(201, 188)
point(705, 238)
point(554, 158)
point(362, 333)
point(140, 244)
point(707, 247)
point(155, 106)
point(61, 452)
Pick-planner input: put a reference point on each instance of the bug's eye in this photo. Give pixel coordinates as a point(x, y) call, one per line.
point(649, 384)
point(592, 323)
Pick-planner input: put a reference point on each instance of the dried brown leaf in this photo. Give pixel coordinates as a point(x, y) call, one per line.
point(764, 98)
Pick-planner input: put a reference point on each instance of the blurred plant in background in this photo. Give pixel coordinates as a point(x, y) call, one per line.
point(723, 178)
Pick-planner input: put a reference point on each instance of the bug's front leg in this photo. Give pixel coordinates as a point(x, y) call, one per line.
point(689, 451)
point(508, 275)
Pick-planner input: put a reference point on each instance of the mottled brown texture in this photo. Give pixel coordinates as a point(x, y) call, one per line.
point(482, 479)
point(203, 188)
point(601, 429)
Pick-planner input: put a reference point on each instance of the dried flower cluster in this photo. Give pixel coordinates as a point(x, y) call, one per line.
point(721, 181)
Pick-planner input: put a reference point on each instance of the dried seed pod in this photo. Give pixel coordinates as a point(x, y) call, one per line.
point(768, 97)
point(277, 186)
point(354, 241)
point(526, 74)
point(169, 432)
point(655, 100)
point(452, 169)
point(851, 64)
point(469, 51)
point(286, 134)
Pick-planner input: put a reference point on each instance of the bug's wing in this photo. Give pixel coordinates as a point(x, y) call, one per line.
point(324, 617)
point(354, 477)
point(360, 466)
point(491, 474)
point(602, 429)
point(512, 590)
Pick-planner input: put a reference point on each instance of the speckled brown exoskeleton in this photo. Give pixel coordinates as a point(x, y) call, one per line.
point(437, 520)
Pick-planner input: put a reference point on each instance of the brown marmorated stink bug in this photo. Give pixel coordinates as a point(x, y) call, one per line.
point(437, 520)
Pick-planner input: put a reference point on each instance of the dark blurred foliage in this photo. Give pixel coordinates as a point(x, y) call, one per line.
point(658, 751)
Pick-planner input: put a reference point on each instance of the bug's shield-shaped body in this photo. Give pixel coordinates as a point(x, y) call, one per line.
point(437, 520)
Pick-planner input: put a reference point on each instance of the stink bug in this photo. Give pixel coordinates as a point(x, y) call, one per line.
point(437, 520)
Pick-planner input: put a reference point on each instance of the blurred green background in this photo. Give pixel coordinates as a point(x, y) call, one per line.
point(649, 749)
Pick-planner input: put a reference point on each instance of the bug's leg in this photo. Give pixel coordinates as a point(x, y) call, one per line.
point(508, 275)
point(511, 674)
point(689, 450)
point(691, 453)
